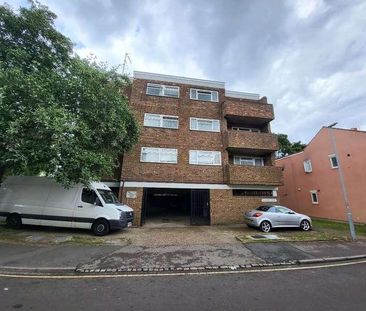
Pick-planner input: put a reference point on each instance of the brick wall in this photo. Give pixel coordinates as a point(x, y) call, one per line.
point(252, 140)
point(182, 139)
point(229, 209)
point(134, 203)
point(247, 108)
point(254, 175)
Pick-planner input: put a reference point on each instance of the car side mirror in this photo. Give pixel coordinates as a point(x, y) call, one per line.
point(291, 213)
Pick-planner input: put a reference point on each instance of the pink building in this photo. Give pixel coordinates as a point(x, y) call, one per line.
point(312, 177)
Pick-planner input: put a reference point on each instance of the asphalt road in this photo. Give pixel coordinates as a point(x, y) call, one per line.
point(335, 288)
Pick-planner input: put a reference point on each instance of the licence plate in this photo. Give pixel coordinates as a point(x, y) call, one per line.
point(129, 224)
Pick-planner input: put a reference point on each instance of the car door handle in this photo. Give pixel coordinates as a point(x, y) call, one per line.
point(80, 206)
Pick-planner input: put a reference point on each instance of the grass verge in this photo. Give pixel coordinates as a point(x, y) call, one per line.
point(323, 230)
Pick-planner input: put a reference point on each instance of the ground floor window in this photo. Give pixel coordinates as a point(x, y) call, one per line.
point(252, 193)
point(314, 196)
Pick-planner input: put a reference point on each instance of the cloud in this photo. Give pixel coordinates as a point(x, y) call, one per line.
point(307, 57)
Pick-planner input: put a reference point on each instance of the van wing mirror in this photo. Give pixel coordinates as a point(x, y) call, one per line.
point(98, 202)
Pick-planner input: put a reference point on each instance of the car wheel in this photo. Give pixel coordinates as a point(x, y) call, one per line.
point(265, 226)
point(100, 227)
point(305, 225)
point(14, 221)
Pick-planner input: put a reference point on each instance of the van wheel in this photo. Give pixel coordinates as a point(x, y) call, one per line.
point(100, 227)
point(14, 221)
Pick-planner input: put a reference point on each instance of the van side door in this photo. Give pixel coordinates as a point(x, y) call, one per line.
point(58, 208)
point(86, 208)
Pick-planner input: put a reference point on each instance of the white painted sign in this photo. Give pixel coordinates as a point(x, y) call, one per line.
point(269, 200)
point(131, 194)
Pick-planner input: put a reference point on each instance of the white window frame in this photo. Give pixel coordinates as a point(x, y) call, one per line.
point(191, 152)
point(246, 129)
point(312, 192)
point(160, 151)
point(191, 122)
point(308, 167)
point(161, 120)
point(162, 89)
point(238, 159)
point(204, 91)
point(332, 156)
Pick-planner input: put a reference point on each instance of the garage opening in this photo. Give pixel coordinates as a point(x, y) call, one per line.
point(175, 207)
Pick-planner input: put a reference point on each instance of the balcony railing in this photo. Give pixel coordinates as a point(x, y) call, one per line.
point(251, 140)
point(253, 175)
point(248, 109)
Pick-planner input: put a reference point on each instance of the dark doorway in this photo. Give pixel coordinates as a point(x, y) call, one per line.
point(175, 207)
point(200, 207)
point(163, 206)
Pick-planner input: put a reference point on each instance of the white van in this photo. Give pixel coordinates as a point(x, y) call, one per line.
point(41, 201)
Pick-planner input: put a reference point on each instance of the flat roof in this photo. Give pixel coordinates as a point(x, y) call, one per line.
point(194, 81)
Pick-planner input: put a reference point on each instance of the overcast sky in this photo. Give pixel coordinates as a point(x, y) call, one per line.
point(307, 56)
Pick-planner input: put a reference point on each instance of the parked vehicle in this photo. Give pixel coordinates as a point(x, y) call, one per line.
point(267, 217)
point(41, 201)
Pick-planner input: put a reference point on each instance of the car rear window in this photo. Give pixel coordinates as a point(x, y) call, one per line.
point(263, 208)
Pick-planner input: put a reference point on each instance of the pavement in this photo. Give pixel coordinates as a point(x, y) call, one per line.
point(166, 249)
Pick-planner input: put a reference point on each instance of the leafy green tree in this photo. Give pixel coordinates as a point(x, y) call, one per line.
point(61, 115)
point(286, 147)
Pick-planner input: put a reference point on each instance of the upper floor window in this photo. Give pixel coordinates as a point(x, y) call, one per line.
point(204, 125)
point(162, 90)
point(333, 161)
point(212, 96)
point(158, 120)
point(307, 166)
point(204, 157)
point(251, 161)
point(159, 155)
point(246, 129)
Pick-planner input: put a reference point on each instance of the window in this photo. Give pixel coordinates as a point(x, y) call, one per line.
point(252, 193)
point(314, 196)
point(307, 166)
point(246, 129)
point(159, 155)
point(157, 120)
point(248, 161)
point(162, 90)
point(89, 196)
point(212, 96)
point(333, 161)
point(205, 125)
point(204, 157)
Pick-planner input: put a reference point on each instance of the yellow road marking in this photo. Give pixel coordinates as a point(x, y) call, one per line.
point(98, 276)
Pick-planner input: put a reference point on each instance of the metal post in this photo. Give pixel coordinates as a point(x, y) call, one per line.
point(343, 186)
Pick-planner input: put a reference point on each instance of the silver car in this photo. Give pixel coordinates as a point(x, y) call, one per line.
point(267, 217)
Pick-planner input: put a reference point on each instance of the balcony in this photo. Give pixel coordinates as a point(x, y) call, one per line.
point(246, 109)
point(253, 175)
point(251, 141)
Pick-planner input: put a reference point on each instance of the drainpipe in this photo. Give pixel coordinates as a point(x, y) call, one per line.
point(343, 184)
point(121, 191)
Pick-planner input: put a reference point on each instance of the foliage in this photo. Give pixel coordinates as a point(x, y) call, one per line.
point(61, 115)
point(286, 147)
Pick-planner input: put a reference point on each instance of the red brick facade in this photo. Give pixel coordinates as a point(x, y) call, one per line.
point(252, 113)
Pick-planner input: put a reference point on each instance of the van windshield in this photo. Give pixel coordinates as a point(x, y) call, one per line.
point(108, 196)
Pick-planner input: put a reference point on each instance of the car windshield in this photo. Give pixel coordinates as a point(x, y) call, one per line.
point(108, 196)
point(263, 208)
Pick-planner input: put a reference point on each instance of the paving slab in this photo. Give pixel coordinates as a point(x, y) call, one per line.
point(16, 255)
point(332, 248)
point(277, 252)
point(175, 256)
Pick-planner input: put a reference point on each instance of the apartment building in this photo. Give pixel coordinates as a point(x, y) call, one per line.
point(205, 154)
point(312, 178)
